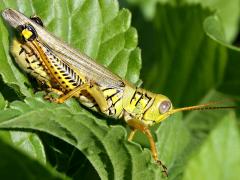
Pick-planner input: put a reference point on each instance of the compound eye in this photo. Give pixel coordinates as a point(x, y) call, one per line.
point(31, 28)
point(164, 106)
point(37, 20)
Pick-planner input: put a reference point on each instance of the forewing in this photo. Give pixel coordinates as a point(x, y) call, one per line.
point(80, 62)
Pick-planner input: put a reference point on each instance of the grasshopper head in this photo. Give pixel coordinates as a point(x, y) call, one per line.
point(159, 110)
point(162, 108)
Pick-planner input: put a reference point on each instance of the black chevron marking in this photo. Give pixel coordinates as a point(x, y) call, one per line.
point(21, 51)
point(117, 101)
point(30, 68)
point(113, 95)
point(26, 59)
point(133, 96)
point(107, 88)
point(94, 105)
point(140, 98)
point(34, 61)
point(149, 99)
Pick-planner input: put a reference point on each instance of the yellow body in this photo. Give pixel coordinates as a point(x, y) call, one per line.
point(125, 100)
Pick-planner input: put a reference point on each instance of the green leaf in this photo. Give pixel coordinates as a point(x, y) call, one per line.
point(186, 55)
point(207, 120)
point(172, 139)
point(169, 146)
point(15, 165)
point(28, 143)
point(228, 12)
point(106, 147)
point(213, 28)
point(231, 83)
point(179, 55)
point(3, 103)
point(201, 123)
point(148, 8)
point(219, 157)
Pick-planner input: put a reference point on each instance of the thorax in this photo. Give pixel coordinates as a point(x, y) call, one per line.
point(136, 102)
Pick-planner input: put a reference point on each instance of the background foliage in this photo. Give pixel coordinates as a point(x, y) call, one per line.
point(187, 53)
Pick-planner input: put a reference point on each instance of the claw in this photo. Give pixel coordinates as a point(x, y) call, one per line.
point(49, 97)
point(164, 171)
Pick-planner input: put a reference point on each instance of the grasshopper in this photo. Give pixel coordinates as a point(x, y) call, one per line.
point(72, 74)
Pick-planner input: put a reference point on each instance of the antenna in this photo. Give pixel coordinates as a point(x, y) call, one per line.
point(207, 106)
